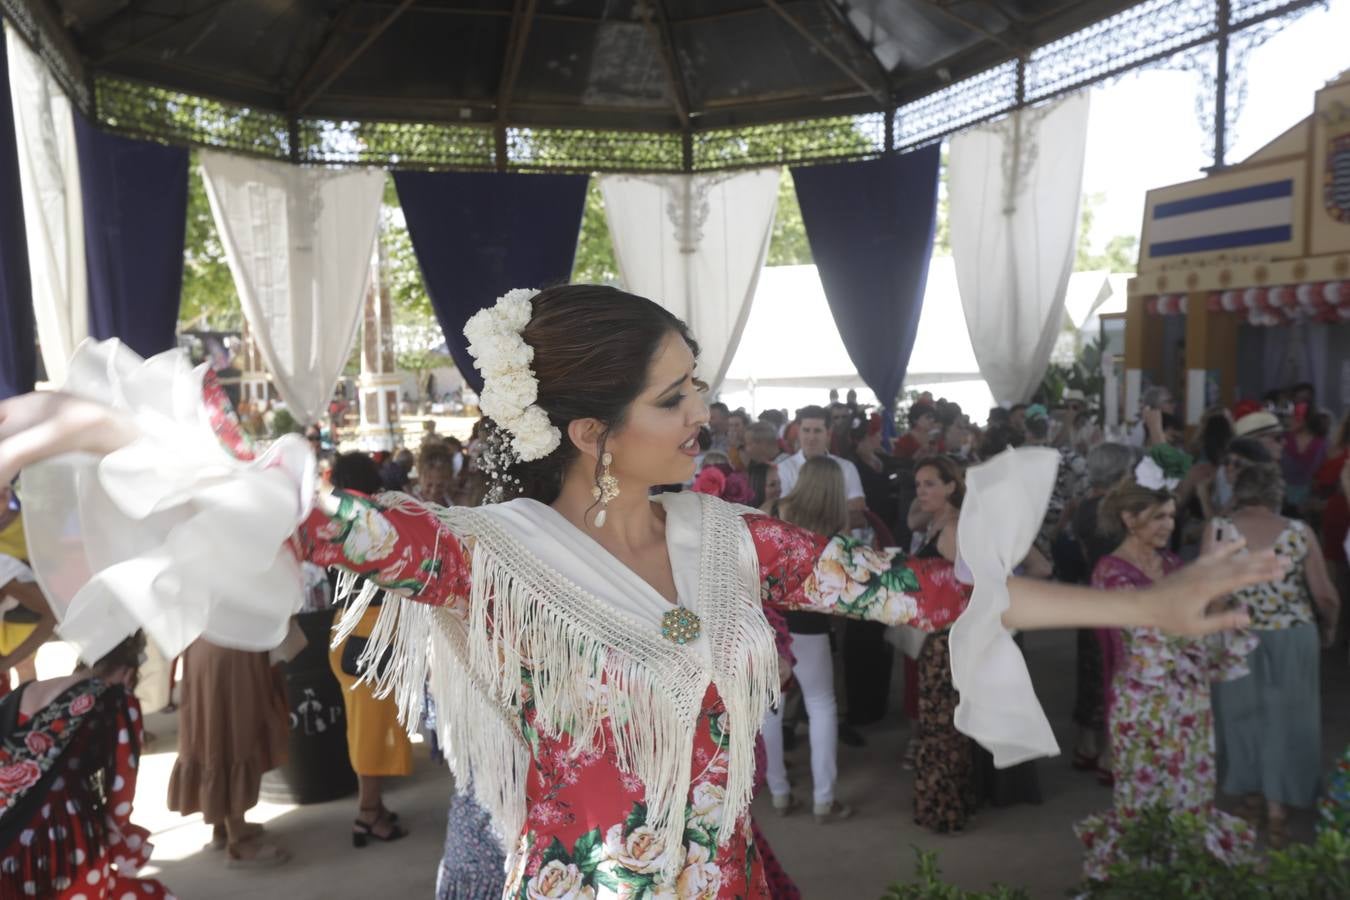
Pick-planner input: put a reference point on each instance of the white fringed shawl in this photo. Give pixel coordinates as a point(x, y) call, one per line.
point(548, 598)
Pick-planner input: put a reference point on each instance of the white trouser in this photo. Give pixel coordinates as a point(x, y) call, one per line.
point(815, 674)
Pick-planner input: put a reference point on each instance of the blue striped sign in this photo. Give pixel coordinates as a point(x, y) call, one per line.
point(1250, 216)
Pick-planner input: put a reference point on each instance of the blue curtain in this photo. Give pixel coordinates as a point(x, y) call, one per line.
point(18, 332)
point(135, 221)
point(477, 235)
point(871, 226)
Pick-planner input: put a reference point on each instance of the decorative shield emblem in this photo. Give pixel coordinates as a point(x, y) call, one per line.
point(1336, 187)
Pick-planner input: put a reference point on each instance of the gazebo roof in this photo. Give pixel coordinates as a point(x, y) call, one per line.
point(673, 71)
point(574, 63)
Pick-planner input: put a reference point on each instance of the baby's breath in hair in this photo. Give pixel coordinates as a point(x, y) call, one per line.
point(495, 461)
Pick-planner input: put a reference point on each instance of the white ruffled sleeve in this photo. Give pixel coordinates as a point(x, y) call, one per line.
point(171, 533)
point(1005, 504)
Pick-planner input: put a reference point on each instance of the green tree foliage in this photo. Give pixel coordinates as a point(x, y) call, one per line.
point(789, 245)
point(209, 298)
point(1120, 253)
point(942, 240)
point(595, 262)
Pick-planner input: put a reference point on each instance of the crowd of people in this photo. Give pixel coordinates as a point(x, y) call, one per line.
point(1163, 720)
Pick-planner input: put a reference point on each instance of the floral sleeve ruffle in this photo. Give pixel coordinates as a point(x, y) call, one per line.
point(842, 576)
point(394, 541)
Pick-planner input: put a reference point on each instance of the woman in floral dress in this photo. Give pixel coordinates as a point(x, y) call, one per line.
point(600, 660)
point(69, 749)
point(1162, 728)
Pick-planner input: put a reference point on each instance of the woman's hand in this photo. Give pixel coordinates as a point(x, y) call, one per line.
point(38, 426)
point(1180, 603)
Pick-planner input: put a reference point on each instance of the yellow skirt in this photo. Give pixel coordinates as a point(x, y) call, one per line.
point(376, 743)
point(12, 634)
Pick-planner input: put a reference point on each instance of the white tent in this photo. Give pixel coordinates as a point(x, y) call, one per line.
point(791, 353)
point(1094, 294)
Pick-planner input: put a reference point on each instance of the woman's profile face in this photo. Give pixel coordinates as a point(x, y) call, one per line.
point(658, 442)
point(933, 494)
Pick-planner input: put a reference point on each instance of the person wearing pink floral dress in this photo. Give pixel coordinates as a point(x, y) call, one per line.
point(599, 658)
point(1162, 725)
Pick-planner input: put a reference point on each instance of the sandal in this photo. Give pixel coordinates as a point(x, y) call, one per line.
point(266, 856)
point(220, 837)
point(1082, 762)
point(363, 832)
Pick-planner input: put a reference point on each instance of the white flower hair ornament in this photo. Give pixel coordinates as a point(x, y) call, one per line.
point(509, 385)
point(1148, 474)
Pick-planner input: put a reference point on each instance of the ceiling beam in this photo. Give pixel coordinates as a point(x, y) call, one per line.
point(943, 8)
point(208, 10)
point(881, 96)
point(521, 22)
point(658, 29)
point(305, 98)
point(839, 14)
point(337, 26)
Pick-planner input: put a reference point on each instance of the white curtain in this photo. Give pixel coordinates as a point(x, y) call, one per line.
point(695, 244)
point(298, 240)
point(1014, 189)
point(49, 176)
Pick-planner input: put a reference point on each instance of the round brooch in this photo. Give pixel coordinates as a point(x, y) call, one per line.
point(680, 626)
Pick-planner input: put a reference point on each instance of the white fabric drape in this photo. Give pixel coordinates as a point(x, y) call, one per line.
point(1014, 190)
point(298, 241)
point(171, 533)
point(695, 244)
point(49, 176)
point(998, 705)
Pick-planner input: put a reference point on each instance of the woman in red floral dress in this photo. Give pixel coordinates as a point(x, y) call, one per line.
point(600, 659)
point(69, 749)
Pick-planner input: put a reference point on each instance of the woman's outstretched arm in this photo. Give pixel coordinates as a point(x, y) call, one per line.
point(1182, 603)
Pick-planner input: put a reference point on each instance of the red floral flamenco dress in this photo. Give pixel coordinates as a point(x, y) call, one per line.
point(587, 829)
point(67, 781)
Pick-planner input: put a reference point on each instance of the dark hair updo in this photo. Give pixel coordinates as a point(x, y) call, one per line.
point(592, 348)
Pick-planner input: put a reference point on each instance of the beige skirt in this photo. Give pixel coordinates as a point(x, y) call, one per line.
point(233, 726)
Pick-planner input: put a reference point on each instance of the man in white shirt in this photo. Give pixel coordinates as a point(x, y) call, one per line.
point(813, 432)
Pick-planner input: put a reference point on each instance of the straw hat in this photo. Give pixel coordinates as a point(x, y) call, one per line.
point(1257, 424)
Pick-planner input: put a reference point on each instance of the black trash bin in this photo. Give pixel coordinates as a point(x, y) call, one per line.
point(319, 768)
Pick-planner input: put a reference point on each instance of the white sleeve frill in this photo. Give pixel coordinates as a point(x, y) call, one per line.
point(171, 533)
point(1004, 507)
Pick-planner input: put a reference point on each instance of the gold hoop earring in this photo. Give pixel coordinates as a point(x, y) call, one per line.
point(606, 488)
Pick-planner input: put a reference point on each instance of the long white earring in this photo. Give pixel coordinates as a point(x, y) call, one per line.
point(606, 488)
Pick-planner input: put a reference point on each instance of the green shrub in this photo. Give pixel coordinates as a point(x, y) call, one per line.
point(284, 423)
point(1164, 858)
point(928, 885)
